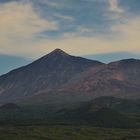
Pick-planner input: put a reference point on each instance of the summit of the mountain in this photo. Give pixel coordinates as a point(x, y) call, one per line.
point(58, 52)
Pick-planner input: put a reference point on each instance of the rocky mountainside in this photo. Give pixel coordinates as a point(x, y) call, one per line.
point(58, 76)
point(120, 79)
point(47, 73)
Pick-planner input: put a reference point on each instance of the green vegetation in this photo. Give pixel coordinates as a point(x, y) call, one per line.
point(66, 132)
point(101, 112)
point(121, 105)
point(101, 119)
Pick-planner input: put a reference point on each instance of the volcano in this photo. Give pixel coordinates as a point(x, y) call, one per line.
point(58, 75)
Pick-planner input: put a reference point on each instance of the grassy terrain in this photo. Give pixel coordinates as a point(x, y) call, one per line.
point(102, 112)
point(66, 132)
point(102, 119)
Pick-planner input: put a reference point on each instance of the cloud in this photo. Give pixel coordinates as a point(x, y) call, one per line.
point(19, 23)
point(50, 3)
point(114, 6)
point(129, 35)
point(128, 40)
point(64, 17)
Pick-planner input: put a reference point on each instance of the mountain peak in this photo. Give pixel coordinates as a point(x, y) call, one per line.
point(58, 52)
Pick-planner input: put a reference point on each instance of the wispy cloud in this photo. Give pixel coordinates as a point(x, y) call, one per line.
point(23, 19)
point(21, 25)
point(64, 17)
point(51, 3)
point(128, 40)
point(114, 6)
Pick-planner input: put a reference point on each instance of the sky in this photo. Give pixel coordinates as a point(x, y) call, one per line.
point(105, 30)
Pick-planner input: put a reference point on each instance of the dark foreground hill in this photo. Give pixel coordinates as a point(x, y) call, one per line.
point(9, 106)
point(101, 112)
point(103, 117)
point(59, 77)
point(122, 105)
point(105, 112)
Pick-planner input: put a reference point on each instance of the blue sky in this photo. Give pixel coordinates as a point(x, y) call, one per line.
point(107, 30)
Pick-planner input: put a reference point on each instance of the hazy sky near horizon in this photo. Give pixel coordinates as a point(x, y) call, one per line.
point(32, 28)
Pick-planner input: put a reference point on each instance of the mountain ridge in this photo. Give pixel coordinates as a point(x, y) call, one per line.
point(72, 76)
point(48, 72)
